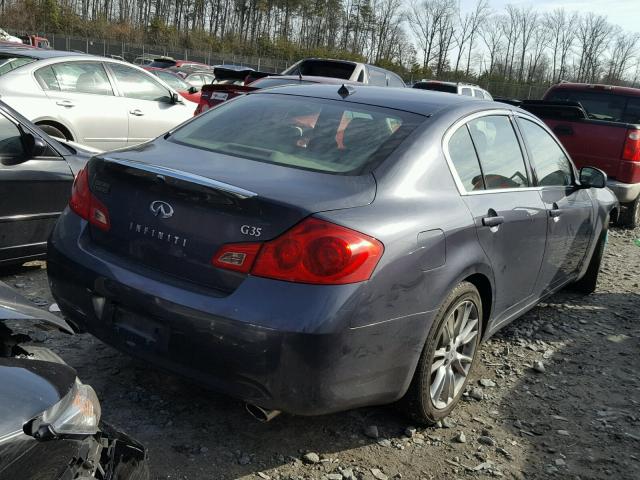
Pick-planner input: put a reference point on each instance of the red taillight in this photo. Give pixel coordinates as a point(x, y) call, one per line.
point(631, 150)
point(314, 251)
point(86, 205)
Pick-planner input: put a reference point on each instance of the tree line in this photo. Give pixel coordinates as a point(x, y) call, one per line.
point(416, 38)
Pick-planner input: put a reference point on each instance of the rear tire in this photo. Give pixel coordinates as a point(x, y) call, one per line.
point(630, 215)
point(432, 394)
point(587, 284)
point(53, 131)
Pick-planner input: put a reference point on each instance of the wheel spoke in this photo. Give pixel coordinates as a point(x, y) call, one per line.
point(436, 365)
point(438, 384)
point(463, 358)
point(440, 353)
point(469, 333)
point(451, 384)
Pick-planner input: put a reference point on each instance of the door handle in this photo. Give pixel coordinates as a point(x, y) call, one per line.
point(555, 212)
point(563, 130)
point(493, 221)
point(65, 103)
point(137, 112)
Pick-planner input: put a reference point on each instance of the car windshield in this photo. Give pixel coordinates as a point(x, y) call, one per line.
point(276, 82)
point(309, 133)
point(10, 62)
point(598, 105)
point(173, 81)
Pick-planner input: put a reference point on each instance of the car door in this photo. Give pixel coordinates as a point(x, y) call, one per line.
point(569, 209)
point(82, 97)
point(149, 104)
point(508, 213)
point(33, 193)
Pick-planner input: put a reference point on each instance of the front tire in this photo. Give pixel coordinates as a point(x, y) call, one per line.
point(447, 358)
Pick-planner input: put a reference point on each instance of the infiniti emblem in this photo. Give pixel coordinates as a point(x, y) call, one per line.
point(161, 209)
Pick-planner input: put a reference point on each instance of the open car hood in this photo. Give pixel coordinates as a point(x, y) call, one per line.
point(14, 306)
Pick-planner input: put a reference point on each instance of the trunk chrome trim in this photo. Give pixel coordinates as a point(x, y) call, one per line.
point(29, 216)
point(186, 176)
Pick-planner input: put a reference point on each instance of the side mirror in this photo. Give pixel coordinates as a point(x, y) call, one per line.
point(34, 146)
point(175, 98)
point(193, 89)
point(591, 177)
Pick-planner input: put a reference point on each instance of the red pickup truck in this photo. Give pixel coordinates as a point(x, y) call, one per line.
point(599, 125)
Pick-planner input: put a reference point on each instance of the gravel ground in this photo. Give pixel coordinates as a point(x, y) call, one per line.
point(555, 395)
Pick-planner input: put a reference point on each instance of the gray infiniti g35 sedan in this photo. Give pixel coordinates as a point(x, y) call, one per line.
point(311, 249)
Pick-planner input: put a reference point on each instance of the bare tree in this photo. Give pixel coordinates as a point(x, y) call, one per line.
point(622, 55)
point(426, 19)
point(593, 36)
point(479, 16)
point(492, 34)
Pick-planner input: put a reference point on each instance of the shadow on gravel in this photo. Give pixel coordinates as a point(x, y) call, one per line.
point(578, 412)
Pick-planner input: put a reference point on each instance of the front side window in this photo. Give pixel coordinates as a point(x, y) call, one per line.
point(467, 92)
point(464, 159)
point(377, 77)
point(499, 152)
point(81, 77)
point(313, 134)
point(547, 158)
point(138, 85)
point(10, 140)
point(477, 93)
point(7, 63)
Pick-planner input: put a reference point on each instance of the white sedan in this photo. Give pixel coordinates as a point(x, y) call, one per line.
point(96, 101)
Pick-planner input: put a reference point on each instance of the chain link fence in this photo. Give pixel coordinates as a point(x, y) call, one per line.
point(132, 51)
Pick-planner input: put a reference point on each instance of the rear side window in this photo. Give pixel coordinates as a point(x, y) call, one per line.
point(549, 161)
point(465, 161)
point(80, 77)
point(477, 93)
point(499, 152)
point(314, 134)
point(377, 77)
point(395, 81)
point(467, 92)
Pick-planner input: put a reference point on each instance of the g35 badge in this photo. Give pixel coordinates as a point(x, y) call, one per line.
point(251, 230)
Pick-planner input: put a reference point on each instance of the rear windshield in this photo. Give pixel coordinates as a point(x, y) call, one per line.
point(324, 68)
point(322, 135)
point(438, 87)
point(9, 62)
point(162, 63)
point(598, 105)
point(276, 82)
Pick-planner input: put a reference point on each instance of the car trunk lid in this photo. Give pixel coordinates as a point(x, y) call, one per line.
point(174, 220)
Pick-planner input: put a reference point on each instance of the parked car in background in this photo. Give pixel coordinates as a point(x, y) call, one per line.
point(197, 78)
point(36, 173)
point(459, 88)
point(345, 70)
point(599, 125)
point(175, 81)
point(144, 59)
point(50, 422)
point(217, 93)
point(35, 41)
point(168, 62)
point(315, 248)
point(6, 37)
point(95, 101)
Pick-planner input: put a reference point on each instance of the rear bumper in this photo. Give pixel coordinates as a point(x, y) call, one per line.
point(274, 344)
point(625, 192)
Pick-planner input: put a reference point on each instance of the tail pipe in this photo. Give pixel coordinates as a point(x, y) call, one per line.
point(261, 414)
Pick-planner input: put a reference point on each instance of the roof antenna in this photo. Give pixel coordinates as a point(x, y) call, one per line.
point(344, 91)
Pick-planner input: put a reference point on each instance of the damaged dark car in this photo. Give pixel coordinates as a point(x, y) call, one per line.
point(50, 427)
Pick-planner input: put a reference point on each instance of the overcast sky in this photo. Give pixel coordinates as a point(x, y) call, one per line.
point(625, 13)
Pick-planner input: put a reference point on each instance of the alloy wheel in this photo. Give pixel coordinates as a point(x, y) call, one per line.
point(454, 353)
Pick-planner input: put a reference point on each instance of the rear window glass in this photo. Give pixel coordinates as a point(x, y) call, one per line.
point(598, 105)
point(437, 87)
point(323, 68)
point(314, 134)
point(162, 63)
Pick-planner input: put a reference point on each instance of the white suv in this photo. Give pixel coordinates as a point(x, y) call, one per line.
point(459, 88)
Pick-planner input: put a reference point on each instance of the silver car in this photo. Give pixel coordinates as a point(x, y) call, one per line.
point(96, 101)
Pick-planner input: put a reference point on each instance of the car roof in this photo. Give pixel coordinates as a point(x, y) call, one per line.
point(590, 87)
point(423, 102)
point(38, 53)
point(315, 79)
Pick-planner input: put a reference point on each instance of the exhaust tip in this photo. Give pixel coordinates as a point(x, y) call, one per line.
point(261, 414)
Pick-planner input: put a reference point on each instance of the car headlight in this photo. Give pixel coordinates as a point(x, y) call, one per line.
point(76, 414)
